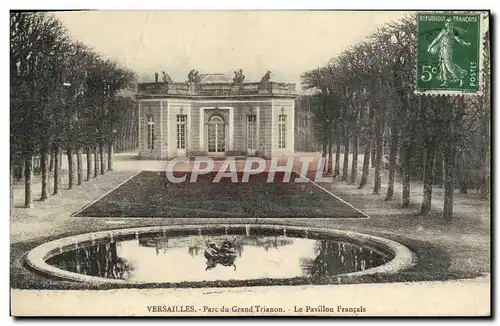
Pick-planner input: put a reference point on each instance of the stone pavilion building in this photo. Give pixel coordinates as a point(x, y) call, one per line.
point(214, 116)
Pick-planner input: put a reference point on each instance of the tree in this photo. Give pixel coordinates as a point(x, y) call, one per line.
point(106, 80)
point(36, 40)
point(321, 81)
point(368, 130)
point(485, 105)
point(403, 51)
point(372, 87)
point(62, 96)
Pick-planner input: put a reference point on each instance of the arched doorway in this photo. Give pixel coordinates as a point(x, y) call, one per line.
point(216, 134)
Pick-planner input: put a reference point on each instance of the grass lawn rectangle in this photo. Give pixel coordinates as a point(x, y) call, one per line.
point(151, 194)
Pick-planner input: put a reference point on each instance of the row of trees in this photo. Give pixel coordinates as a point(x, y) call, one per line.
point(64, 98)
point(365, 101)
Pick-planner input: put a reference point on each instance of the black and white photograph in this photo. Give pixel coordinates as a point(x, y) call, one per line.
point(199, 163)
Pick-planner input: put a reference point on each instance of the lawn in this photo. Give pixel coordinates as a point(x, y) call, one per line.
point(151, 194)
point(460, 249)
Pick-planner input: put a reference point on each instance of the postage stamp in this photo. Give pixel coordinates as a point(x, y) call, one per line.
point(449, 53)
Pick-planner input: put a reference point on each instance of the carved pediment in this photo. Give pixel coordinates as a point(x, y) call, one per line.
point(223, 113)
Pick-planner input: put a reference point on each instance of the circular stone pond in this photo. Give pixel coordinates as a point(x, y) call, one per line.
point(221, 255)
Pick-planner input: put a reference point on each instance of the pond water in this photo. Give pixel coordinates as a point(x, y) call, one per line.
point(195, 258)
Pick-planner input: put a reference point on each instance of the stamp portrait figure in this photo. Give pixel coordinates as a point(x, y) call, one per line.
point(442, 46)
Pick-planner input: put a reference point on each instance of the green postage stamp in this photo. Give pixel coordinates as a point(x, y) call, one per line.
point(449, 53)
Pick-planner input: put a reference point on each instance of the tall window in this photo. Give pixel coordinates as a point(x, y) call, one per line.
point(181, 131)
point(251, 131)
point(282, 131)
point(151, 132)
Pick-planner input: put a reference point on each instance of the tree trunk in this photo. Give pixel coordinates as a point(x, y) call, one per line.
point(337, 159)
point(119, 142)
point(124, 139)
point(485, 184)
point(443, 170)
point(136, 133)
point(20, 169)
point(486, 179)
point(129, 137)
point(345, 165)
point(430, 160)
point(379, 126)
point(392, 159)
point(406, 174)
point(89, 163)
point(57, 169)
point(11, 182)
point(449, 153)
point(52, 160)
point(324, 156)
point(96, 162)
point(69, 153)
point(355, 152)
point(366, 164)
point(324, 153)
point(44, 156)
point(79, 173)
point(330, 159)
point(461, 172)
point(28, 177)
point(368, 148)
point(449, 156)
point(373, 156)
point(102, 159)
point(125, 135)
point(110, 156)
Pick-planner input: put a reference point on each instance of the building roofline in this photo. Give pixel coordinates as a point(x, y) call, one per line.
point(212, 97)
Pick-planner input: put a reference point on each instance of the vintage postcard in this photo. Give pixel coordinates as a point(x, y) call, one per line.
point(250, 163)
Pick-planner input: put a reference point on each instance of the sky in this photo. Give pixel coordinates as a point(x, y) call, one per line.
point(285, 42)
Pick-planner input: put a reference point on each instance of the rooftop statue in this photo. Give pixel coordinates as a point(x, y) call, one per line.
point(238, 76)
point(266, 78)
point(190, 76)
point(194, 76)
point(166, 78)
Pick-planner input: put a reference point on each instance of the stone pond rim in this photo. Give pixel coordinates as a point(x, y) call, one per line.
point(36, 259)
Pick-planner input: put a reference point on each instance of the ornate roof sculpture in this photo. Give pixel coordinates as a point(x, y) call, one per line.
point(220, 84)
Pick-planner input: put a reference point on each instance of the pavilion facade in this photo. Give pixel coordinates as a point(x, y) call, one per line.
point(214, 116)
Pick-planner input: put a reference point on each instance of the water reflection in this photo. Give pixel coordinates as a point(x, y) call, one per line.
point(215, 258)
point(196, 244)
point(99, 260)
point(335, 258)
